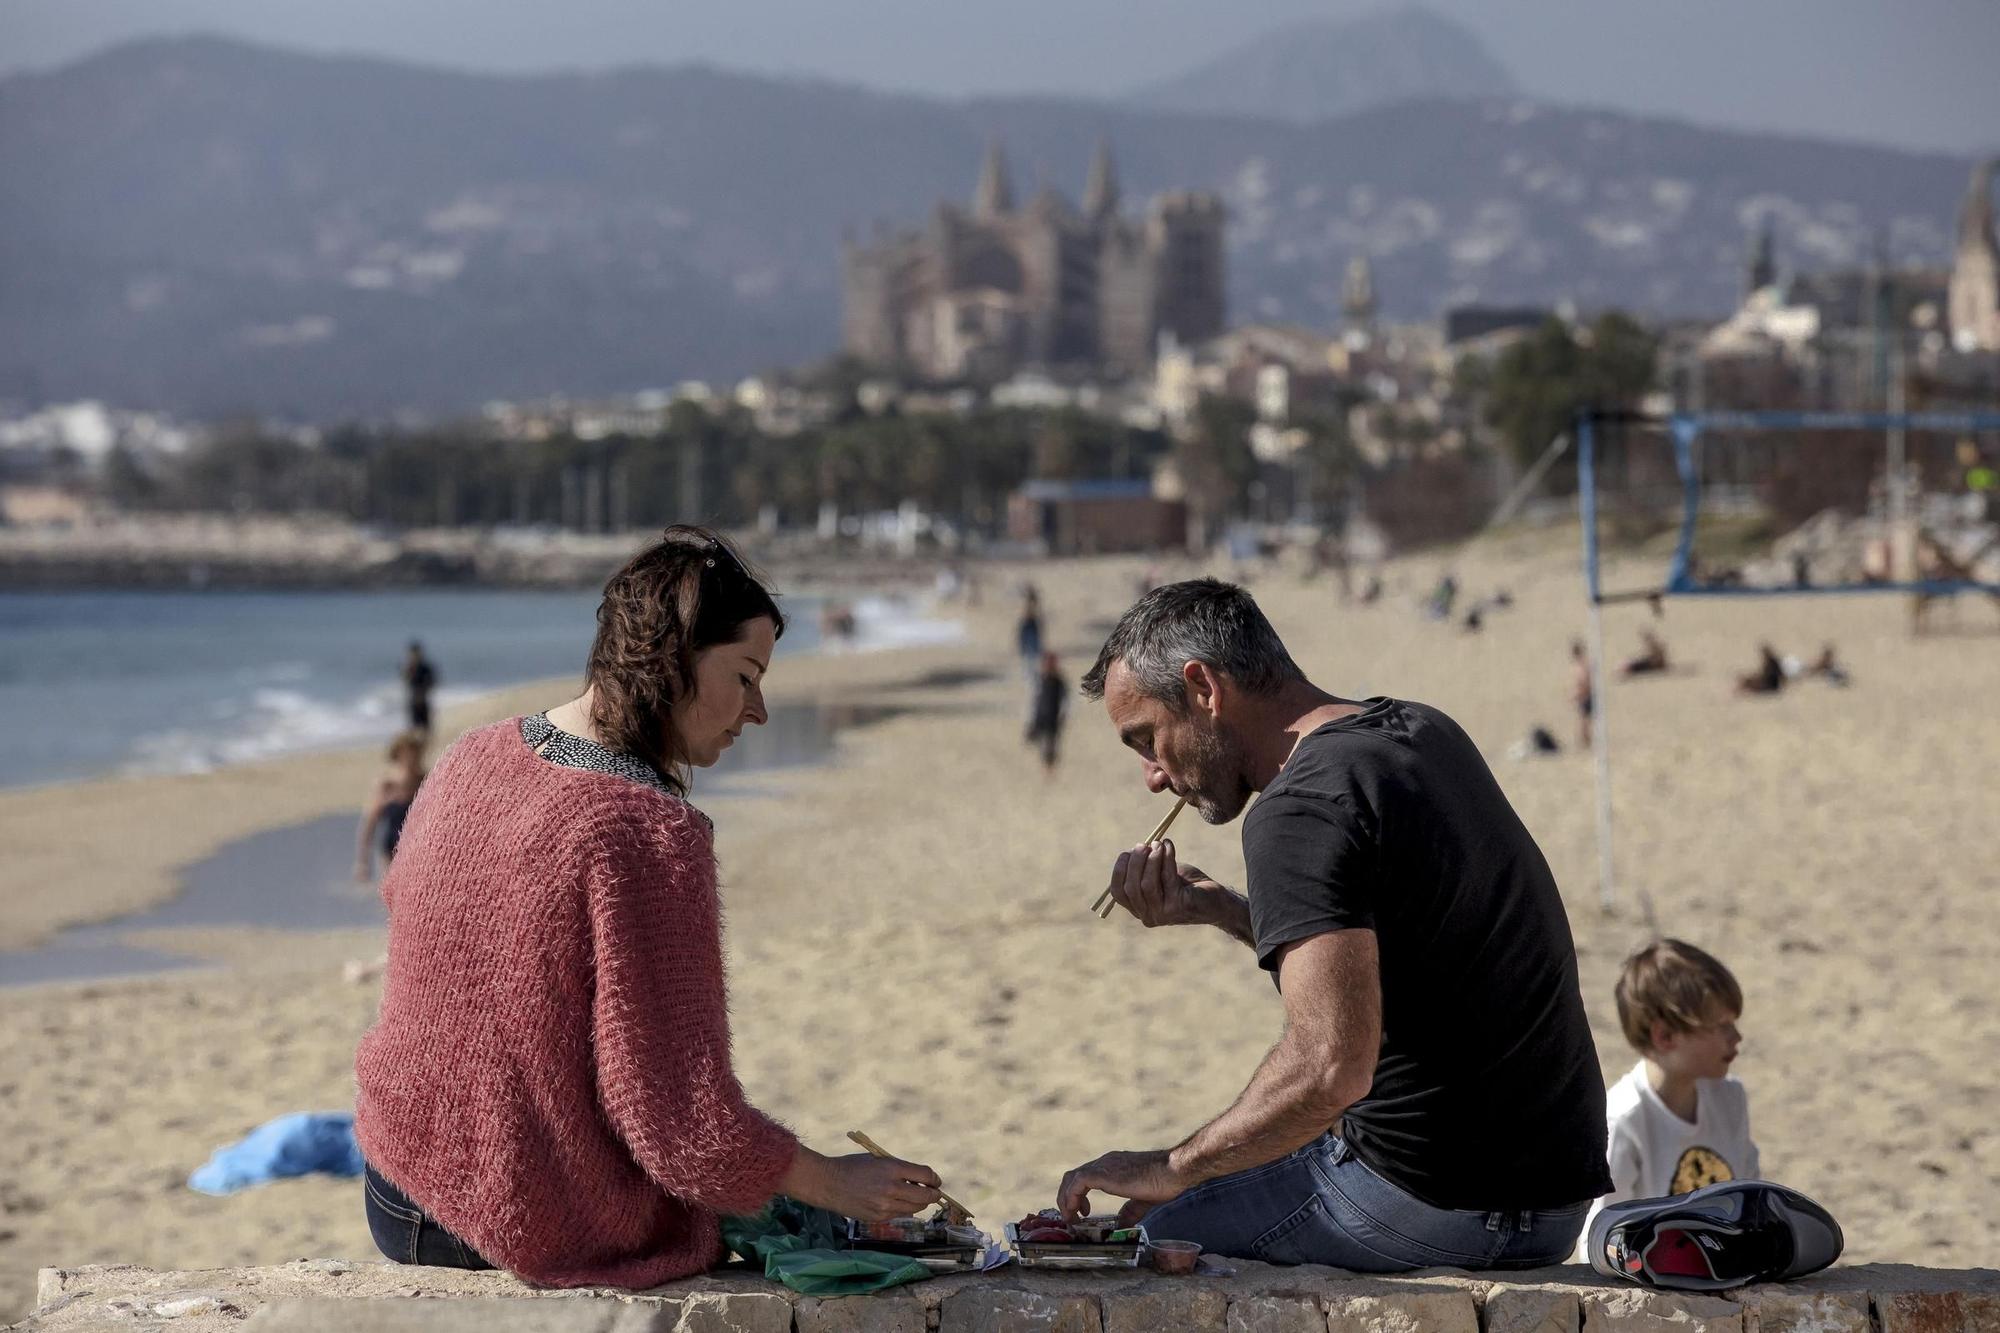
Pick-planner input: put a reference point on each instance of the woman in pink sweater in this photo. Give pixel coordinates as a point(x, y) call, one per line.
point(548, 1087)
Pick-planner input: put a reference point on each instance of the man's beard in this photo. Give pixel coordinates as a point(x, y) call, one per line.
point(1215, 786)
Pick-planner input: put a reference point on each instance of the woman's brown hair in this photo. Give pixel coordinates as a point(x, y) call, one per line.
point(686, 592)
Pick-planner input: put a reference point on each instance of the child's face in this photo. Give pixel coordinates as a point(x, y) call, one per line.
point(1705, 1052)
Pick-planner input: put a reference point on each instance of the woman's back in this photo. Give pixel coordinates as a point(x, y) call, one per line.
point(551, 1023)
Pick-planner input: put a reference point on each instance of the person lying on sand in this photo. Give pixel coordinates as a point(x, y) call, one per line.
point(1768, 678)
point(1652, 659)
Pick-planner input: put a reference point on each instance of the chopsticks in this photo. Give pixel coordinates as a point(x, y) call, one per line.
point(878, 1150)
point(1103, 905)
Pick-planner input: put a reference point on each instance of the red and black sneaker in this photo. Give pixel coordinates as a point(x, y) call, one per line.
point(1723, 1236)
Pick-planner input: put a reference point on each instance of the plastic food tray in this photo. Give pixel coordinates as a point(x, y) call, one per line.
point(1073, 1254)
point(939, 1258)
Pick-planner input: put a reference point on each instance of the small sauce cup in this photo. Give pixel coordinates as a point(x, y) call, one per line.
point(1173, 1256)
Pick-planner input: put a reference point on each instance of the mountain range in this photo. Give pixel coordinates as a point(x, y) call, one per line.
point(211, 227)
point(1303, 72)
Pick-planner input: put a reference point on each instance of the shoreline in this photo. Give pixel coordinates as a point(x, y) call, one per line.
point(55, 830)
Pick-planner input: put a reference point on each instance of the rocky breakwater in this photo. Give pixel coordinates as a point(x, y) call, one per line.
point(332, 1294)
point(196, 551)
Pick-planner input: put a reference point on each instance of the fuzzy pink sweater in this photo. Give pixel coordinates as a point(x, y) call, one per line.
point(550, 1076)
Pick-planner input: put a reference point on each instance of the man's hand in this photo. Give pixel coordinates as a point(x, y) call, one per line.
point(1146, 1178)
point(1148, 883)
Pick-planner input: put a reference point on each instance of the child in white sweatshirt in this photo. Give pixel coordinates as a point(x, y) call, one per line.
point(1678, 1120)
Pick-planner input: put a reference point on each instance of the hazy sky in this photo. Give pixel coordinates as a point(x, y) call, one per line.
point(1918, 73)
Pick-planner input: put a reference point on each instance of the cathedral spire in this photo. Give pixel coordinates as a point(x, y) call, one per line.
point(994, 195)
point(1357, 294)
point(1762, 270)
point(1975, 216)
point(1100, 194)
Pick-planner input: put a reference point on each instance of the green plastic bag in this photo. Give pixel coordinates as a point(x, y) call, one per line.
point(842, 1272)
point(801, 1246)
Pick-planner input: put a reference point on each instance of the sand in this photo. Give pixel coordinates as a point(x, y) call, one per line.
point(911, 953)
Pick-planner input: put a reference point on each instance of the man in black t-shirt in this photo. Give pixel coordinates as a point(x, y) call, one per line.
point(1434, 1098)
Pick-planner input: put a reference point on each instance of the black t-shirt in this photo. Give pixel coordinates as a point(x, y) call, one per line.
point(1486, 1092)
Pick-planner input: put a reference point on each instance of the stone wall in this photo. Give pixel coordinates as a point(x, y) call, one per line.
point(331, 1294)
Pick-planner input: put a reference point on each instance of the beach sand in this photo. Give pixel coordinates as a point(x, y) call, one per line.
point(911, 953)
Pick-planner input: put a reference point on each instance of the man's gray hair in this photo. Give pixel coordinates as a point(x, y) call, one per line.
point(1201, 620)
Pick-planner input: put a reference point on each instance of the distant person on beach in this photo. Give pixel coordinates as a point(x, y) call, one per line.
point(836, 623)
point(1028, 633)
point(1651, 660)
point(1433, 1098)
point(1582, 691)
point(389, 805)
point(1768, 678)
point(1051, 709)
point(419, 679)
point(547, 1088)
point(1539, 741)
point(1678, 1120)
point(1438, 605)
point(1829, 669)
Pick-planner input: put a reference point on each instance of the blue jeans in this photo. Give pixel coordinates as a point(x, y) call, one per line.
point(1321, 1205)
point(403, 1231)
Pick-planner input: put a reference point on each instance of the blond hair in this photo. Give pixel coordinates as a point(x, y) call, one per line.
point(1673, 983)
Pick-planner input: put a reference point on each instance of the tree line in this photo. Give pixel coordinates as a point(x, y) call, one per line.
point(713, 464)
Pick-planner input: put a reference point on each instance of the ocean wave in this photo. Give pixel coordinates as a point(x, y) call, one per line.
point(270, 722)
point(883, 622)
point(275, 711)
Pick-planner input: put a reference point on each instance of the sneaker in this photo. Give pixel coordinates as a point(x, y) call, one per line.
point(1718, 1237)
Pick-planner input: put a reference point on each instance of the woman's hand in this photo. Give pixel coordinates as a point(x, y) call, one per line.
point(859, 1185)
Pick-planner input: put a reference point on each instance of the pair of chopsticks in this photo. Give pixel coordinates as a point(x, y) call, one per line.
point(878, 1150)
point(1103, 905)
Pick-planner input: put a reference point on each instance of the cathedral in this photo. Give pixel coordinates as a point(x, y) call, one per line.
point(980, 293)
point(1975, 272)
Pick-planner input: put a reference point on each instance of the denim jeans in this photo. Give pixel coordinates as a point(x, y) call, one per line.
point(1321, 1205)
point(404, 1232)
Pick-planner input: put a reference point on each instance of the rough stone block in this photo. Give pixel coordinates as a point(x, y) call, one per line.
point(1003, 1310)
point(1792, 1310)
point(1938, 1311)
point(1406, 1312)
point(1637, 1310)
point(725, 1312)
point(1276, 1314)
point(1532, 1310)
point(1168, 1303)
point(890, 1312)
point(448, 1316)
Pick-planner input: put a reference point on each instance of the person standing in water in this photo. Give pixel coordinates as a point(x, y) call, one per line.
point(420, 678)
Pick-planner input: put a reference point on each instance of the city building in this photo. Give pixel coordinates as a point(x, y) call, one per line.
point(1975, 271)
point(982, 292)
point(1096, 517)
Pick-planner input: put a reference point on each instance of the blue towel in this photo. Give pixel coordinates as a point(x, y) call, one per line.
point(291, 1145)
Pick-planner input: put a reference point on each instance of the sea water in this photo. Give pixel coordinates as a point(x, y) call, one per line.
point(114, 682)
